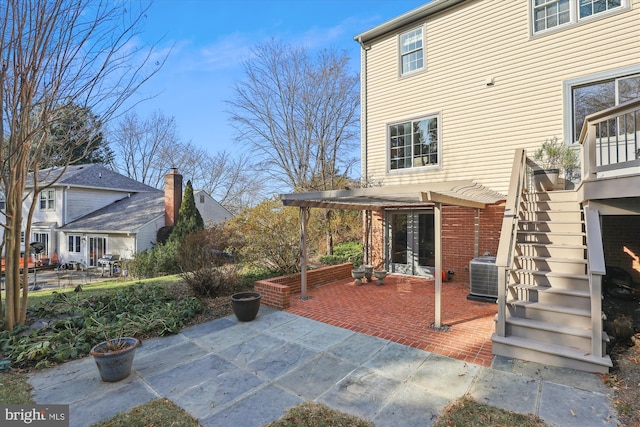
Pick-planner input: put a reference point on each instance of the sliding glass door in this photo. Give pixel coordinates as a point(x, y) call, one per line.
point(411, 242)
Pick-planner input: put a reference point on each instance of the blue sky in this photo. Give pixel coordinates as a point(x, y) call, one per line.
point(211, 38)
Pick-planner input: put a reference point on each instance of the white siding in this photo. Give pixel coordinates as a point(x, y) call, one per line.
point(481, 125)
point(210, 210)
point(82, 201)
point(147, 234)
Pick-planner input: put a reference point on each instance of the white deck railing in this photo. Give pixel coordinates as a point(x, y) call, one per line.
point(611, 141)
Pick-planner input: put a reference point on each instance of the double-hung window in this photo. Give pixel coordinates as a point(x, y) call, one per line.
point(3, 201)
point(550, 14)
point(598, 95)
point(411, 51)
point(414, 143)
point(48, 200)
point(74, 244)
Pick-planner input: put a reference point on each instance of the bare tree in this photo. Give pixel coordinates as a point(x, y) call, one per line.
point(297, 115)
point(55, 53)
point(146, 148)
point(141, 144)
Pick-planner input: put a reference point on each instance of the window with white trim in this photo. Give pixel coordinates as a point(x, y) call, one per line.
point(414, 143)
point(411, 51)
point(48, 200)
point(3, 201)
point(598, 95)
point(44, 239)
point(74, 244)
point(549, 14)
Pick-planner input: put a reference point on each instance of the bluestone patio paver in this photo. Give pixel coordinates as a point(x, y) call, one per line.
point(413, 406)
point(506, 390)
point(227, 372)
point(361, 393)
point(569, 407)
point(318, 375)
point(264, 406)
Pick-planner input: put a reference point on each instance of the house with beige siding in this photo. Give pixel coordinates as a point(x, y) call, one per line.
point(456, 96)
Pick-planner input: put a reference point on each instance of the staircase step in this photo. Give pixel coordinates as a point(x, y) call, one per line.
point(569, 226)
point(549, 354)
point(550, 250)
point(551, 278)
point(551, 238)
point(559, 265)
point(576, 298)
point(553, 216)
point(563, 195)
point(559, 314)
point(546, 332)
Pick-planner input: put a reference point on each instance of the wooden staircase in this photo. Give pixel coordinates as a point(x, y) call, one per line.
point(548, 304)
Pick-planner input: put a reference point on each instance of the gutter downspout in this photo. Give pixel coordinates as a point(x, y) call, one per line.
point(363, 111)
point(363, 143)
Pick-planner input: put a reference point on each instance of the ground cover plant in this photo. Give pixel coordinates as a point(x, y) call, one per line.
point(67, 324)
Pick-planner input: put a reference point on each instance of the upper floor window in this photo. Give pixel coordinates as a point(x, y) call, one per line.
point(3, 201)
point(411, 51)
point(548, 14)
point(414, 143)
point(48, 200)
point(595, 96)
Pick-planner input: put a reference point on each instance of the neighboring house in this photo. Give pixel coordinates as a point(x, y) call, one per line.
point(456, 96)
point(90, 211)
point(211, 211)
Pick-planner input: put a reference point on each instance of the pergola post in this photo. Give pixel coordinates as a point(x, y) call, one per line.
point(437, 210)
point(303, 251)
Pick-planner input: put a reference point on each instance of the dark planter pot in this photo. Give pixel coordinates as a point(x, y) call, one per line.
point(246, 305)
point(545, 179)
point(115, 365)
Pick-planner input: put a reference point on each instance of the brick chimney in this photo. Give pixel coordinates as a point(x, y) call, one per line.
point(172, 196)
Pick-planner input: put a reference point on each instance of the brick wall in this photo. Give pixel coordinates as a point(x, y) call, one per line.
point(276, 292)
point(621, 243)
point(459, 243)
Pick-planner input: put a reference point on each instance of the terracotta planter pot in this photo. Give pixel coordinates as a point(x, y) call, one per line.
point(246, 305)
point(115, 365)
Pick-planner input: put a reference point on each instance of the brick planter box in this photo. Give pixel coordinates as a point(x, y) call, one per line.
point(276, 292)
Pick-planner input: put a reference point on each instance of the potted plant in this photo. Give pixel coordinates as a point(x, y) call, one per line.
point(357, 274)
point(246, 305)
point(554, 157)
point(114, 358)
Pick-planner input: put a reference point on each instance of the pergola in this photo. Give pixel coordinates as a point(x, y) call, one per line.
point(455, 193)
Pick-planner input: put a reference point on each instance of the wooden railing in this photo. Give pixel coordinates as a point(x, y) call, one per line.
point(506, 247)
point(596, 269)
point(611, 140)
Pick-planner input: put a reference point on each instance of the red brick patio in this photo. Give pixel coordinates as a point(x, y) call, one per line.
point(402, 311)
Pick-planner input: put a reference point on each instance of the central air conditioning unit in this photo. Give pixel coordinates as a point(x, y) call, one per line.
point(483, 278)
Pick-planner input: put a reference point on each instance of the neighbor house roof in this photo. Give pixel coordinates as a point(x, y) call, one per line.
point(126, 215)
point(92, 175)
point(410, 17)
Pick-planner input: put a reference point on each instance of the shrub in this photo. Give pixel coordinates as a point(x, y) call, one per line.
point(161, 259)
point(344, 252)
point(206, 261)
